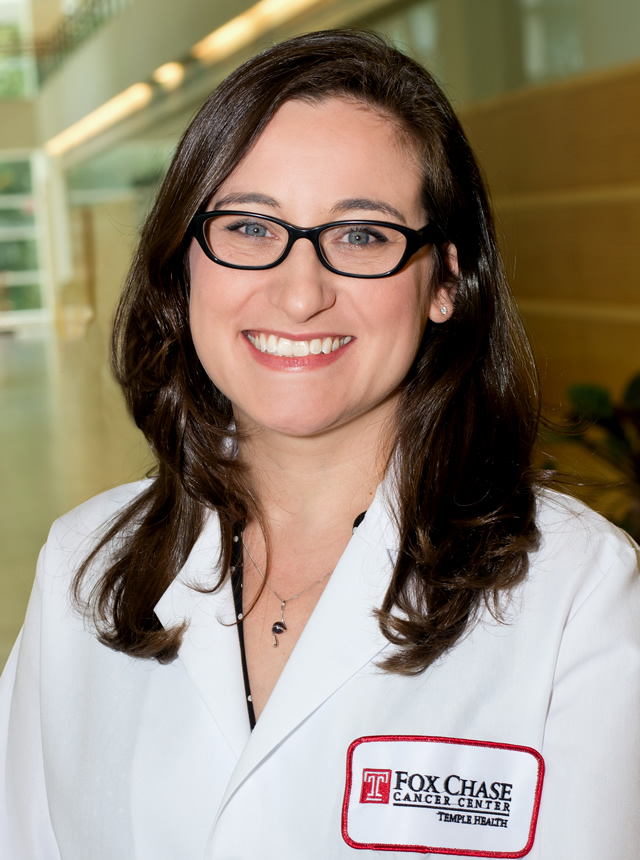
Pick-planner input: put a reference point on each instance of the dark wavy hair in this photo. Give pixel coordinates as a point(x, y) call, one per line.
point(467, 418)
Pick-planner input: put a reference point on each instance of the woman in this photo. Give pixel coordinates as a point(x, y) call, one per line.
point(342, 617)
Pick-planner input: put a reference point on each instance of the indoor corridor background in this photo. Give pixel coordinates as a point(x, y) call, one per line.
point(548, 90)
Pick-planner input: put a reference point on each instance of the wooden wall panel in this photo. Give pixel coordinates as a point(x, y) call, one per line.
point(573, 134)
point(587, 350)
point(563, 165)
point(581, 250)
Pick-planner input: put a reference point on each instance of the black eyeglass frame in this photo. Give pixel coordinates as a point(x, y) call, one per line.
point(416, 239)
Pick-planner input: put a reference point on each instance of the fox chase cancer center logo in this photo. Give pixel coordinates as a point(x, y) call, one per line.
point(446, 796)
point(442, 795)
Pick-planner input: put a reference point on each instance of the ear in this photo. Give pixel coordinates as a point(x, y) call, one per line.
point(441, 308)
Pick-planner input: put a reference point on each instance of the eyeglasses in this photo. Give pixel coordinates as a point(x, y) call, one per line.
point(357, 249)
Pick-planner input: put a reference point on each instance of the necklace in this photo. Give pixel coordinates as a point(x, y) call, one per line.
point(279, 627)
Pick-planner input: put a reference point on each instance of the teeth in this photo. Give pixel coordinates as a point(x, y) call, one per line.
point(285, 347)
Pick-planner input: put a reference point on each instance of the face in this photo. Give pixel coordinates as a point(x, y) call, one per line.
point(350, 342)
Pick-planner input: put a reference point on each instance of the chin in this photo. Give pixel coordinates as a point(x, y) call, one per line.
point(296, 429)
point(303, 422)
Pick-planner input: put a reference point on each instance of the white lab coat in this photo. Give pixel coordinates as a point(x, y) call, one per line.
point(108, 757)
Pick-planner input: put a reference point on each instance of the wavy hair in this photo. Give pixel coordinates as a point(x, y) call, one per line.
point(467, 418)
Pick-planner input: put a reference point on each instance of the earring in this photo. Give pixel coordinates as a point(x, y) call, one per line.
point(444, 311)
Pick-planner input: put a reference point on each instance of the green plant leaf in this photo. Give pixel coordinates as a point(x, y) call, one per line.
point(618, 449)
point(591, 402)
point(631, 397)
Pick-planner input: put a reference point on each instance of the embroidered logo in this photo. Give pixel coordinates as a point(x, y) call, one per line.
point(376, 786)
point(454, 799)
point(442, 795)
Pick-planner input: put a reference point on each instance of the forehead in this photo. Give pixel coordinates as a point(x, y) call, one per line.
point(316, 153)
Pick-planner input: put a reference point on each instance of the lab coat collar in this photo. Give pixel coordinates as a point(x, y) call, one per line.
point(341, 637)
point(209, 651)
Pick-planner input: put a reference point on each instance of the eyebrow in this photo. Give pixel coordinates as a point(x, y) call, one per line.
point(340, 208)
point(246, 197)
point(367, 205)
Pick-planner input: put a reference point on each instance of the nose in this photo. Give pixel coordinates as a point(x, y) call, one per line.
point(301, 286)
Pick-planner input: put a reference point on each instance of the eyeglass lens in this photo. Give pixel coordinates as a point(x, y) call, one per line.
point(358, 248)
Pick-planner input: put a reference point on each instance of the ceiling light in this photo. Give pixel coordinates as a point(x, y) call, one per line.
point(170, 75)
point(247, 27)
point(111, 112)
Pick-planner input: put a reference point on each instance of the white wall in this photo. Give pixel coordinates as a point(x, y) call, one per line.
point(610, 32)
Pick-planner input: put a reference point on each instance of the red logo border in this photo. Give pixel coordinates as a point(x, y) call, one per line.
point(423, 849)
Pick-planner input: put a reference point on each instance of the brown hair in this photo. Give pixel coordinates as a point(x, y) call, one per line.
point(467, 420)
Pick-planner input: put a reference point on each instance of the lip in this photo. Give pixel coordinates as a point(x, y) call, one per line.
point(296, 363)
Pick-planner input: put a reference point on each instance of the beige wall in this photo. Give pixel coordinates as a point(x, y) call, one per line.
point(17, 125)
point(103, 236)
point(46, 15)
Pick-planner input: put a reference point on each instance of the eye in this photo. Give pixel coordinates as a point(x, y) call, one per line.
point(251, 228)
point(362, 235)
point(258, 230)
point(358, 238)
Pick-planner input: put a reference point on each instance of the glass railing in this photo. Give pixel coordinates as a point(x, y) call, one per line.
point(17, 64)
point(20, 263)
point(25, 64)
point(74, 29)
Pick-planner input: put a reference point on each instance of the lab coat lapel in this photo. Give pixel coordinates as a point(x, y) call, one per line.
point(209, 651)
point(341, 637)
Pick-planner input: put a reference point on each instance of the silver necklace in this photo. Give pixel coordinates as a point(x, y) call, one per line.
point(279, 627)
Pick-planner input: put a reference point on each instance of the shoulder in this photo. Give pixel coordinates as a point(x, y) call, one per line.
point(565, 522)
point(74, 535)
point(580, 551)
point(98, 512)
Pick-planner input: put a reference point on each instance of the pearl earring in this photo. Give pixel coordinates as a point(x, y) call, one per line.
point(443, 311)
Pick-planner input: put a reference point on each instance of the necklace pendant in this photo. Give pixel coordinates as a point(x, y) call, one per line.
point(277, 628)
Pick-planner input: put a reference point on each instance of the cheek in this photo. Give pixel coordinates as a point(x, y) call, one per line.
point(204, 274)
point(406, 310)
point(199, 321)
point(406, 323)
point(197, 290)
point(206, 323)
point(211, 302)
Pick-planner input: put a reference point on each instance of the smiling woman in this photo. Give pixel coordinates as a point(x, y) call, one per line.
point(304, 165)
point(345, 617)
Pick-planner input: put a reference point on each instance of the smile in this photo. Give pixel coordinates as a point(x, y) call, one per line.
point(286, 347)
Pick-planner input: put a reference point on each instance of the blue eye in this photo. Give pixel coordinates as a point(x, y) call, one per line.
point(363, 236)
point(250, 228)
point(258, 230)
point(358, 237)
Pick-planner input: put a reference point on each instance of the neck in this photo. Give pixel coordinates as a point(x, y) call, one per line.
point(316, 483)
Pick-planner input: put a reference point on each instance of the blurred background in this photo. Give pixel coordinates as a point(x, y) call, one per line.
point(94, 95)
